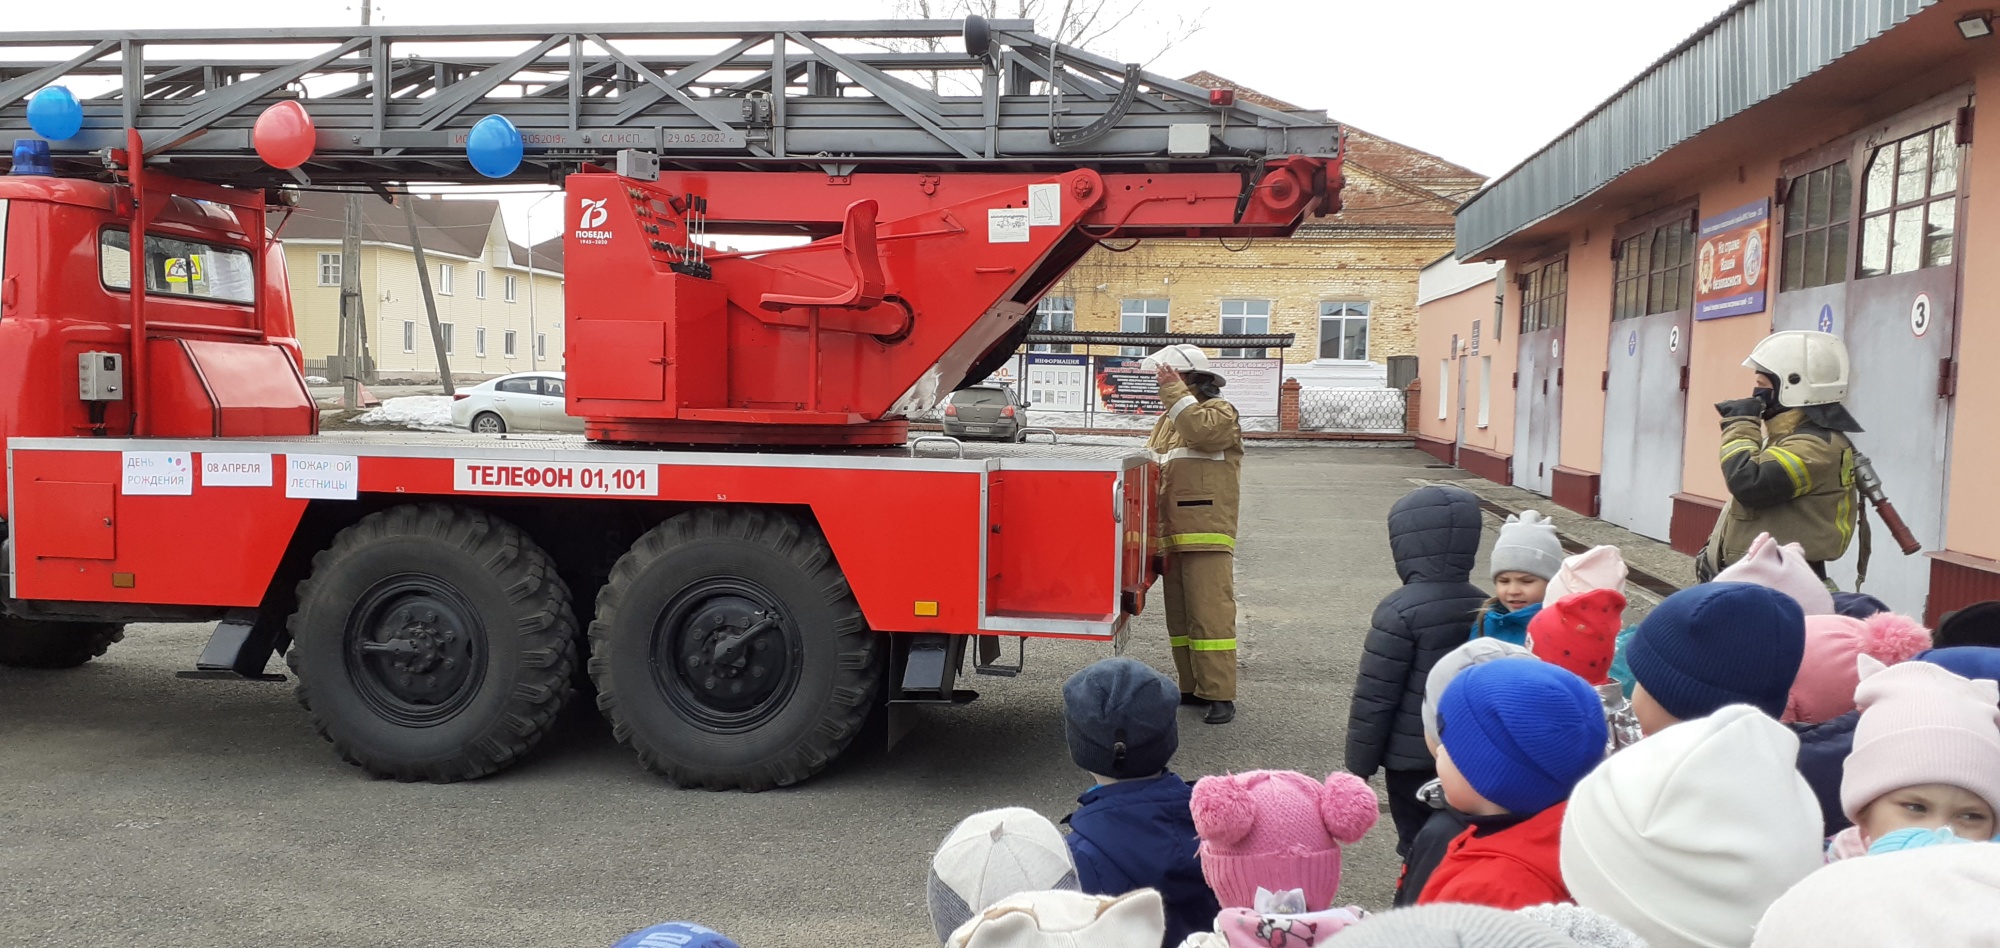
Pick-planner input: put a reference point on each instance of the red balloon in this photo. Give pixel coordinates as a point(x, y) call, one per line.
point(283, 135)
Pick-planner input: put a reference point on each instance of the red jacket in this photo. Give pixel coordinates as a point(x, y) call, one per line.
point(1511, 867)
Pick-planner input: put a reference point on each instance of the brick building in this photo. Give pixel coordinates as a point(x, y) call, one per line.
point(498, 316)
point(1345, 285)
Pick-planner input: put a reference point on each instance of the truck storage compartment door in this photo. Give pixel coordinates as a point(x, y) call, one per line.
point(203, 388)
point(1054, 551)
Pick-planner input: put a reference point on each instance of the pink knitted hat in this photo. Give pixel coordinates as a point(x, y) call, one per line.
point(1784, 569)
point(1279, 830)
point(1824, 689)
point(1921, 724)
point(1600, 567)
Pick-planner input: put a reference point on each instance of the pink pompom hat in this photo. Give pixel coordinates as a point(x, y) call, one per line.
point(1279, 830)
point(1828, 675)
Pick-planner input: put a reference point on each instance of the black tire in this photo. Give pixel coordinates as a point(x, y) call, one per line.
point(774, 710)
point(494, 423)
point(39, 643)
point(432, 642)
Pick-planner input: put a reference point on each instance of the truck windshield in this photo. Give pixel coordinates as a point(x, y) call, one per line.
point(177, 266)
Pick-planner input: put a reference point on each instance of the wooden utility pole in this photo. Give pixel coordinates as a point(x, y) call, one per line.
point(430, 302)
point(350, 306)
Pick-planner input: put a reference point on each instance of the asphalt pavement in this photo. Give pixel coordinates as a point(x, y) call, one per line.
point(139, 808)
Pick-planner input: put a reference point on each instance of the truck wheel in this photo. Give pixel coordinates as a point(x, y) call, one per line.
point(39, 643)
point(432, 642)
point(729, 652)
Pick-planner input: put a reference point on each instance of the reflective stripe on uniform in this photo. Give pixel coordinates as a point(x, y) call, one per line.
point(1735, 448)
point(1178, 454)
point(1180, 406)
point(1177, 641)
point(1212, 645)
point(1196, 539)
point(1795, 468)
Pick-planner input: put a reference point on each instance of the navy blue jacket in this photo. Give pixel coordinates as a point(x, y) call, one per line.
point(1434, 536)
point(1138, 834)
point(1823, 750)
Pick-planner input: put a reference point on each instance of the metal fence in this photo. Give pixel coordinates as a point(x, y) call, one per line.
point(1351, 409)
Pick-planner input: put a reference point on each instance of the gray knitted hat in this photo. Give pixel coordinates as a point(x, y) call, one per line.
point(1475, 652)
point(1583, 926)
point(1451, 925)
point(1528, 544)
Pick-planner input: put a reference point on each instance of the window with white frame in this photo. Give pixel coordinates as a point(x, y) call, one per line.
point(445, 330)
point(1245, 318)
point(1343, 331)
point(1485, 390)
point(508, 287)
point(409, 335)
point(1055, 314)
point(541, 345)
point(479, 284)
point(507, 343)
point(1141, 316)
point(479, 342)
point(329, 269)
point(444, 279)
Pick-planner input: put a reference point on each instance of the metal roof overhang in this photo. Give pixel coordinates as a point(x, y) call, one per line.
point(1750, 54)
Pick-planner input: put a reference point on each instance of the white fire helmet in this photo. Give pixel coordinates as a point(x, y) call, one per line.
point(1180, 358)
point(1811, 367)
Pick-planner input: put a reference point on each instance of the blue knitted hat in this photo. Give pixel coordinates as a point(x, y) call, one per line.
point(1521, 733)
point(675, 935)
point(1118, 716)
point(1719, 644)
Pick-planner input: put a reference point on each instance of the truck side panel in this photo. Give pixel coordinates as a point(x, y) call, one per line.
point(216, 546)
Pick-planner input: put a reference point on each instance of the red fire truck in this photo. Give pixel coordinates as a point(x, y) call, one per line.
point(746, 554)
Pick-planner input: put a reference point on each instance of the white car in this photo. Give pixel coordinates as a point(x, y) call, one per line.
point(524, 401)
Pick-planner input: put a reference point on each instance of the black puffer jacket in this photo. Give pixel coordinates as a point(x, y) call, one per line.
point(1434, 533)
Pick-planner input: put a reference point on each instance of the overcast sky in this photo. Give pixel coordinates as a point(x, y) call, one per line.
point(1483, 83)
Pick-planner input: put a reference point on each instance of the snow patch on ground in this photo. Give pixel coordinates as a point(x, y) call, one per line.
point(421, 412)
point(317, 380)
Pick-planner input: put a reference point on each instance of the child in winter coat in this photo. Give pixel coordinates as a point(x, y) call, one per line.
point(1434, 534)
point(1820, 708)
point(1444, 824)
point(1580, 633)
point(990, 856)
point(1689, 835)
point(1133, 829)
point(1711, 646)
point(1270, 848)
point(1926, 755)
point(1515, 737)
point(1525, 557)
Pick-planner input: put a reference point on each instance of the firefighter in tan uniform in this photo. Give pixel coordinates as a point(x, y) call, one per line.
point(1786, 457)
point(1200, 448)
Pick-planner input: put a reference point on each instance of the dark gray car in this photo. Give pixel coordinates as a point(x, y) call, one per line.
point(985, 411)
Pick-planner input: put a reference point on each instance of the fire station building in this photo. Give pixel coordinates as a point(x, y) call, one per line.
point(1796, 164)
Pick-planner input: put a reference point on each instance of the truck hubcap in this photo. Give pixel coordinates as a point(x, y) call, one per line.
point(726, 655)
point(415, 650)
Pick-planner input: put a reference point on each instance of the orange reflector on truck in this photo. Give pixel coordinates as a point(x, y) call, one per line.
point(927, 609)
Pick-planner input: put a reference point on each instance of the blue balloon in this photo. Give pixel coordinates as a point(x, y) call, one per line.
point(55, 114)
point(494, 147)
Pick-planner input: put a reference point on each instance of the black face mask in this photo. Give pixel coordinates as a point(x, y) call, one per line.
point(1769, 396)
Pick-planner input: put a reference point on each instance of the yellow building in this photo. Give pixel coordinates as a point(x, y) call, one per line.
point(498, 314)
point(1344, 285)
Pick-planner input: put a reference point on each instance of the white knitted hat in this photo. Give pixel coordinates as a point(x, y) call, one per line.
point(1136, 919)
point(1936, 897)
point(1528, 544)
point(1687, 836)
point(990, 856)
